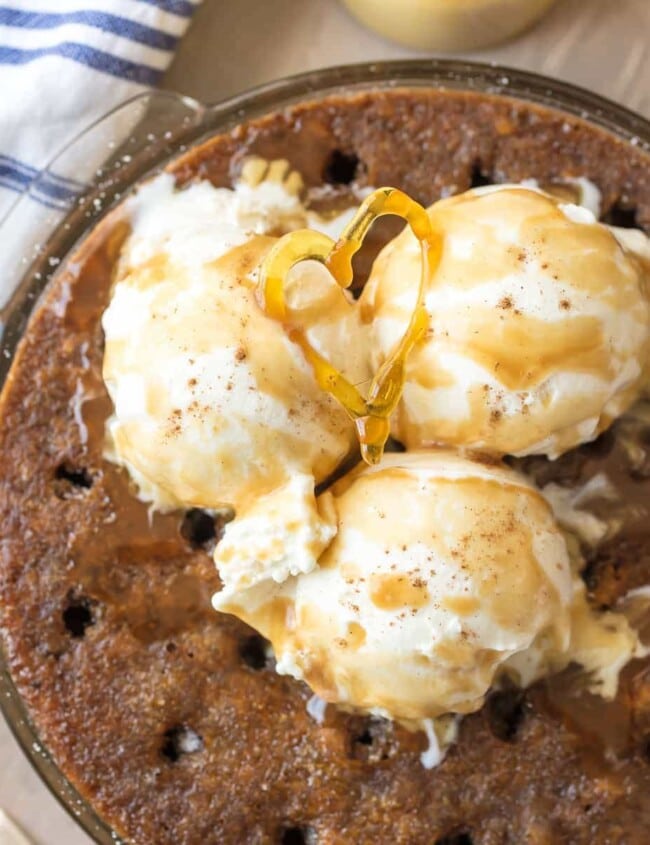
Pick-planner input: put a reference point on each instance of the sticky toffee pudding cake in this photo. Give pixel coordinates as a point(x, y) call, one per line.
point(170, 717)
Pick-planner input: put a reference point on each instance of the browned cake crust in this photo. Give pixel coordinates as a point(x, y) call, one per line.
point(169, 717)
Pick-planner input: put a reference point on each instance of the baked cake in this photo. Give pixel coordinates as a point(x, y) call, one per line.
point(169, 717)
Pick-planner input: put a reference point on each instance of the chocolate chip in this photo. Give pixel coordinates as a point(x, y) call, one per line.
point(373, 741)
point(70, 481)
point(341, 168)
point(180, 740)
point(364, 738)
point(298, 836)
point(78, 615)
point(478, 178)
point(253, 651)
point(457, 838)
point(201, 529)
point(601, 446)
point(622, 216)
point(393, 445)
point(505, 710)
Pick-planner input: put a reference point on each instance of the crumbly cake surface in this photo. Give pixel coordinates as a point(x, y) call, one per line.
point(169, 717)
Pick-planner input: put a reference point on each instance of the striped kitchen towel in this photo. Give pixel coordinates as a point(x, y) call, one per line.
point(63, 65)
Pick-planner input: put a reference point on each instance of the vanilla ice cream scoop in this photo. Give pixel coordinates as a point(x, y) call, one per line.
point(440, 571)
point(539, 332)
point(214, 404)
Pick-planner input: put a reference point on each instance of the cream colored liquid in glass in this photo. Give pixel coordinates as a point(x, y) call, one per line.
point(448, 25)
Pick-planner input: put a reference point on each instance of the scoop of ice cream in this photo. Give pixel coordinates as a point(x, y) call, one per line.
point(214, 404)
point(539, 325)
point(440, 571)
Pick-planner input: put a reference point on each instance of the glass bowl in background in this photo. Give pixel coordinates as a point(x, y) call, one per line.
point(159, 127)
point(448, 25)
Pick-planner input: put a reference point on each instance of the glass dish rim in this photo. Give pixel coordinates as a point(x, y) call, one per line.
point(210, 119)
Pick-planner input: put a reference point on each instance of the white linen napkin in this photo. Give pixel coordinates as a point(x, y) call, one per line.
point(63, 65)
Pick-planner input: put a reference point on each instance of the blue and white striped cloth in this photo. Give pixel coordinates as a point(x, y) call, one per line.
point(63, 65)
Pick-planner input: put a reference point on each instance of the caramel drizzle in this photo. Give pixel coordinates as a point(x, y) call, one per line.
point(370, 413)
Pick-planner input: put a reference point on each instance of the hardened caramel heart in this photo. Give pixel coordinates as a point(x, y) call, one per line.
point(370, 414)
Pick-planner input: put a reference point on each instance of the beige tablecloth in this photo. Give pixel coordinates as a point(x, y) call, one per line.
point(599, 44)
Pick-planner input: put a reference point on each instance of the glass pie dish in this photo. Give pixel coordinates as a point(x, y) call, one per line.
point(161, 126)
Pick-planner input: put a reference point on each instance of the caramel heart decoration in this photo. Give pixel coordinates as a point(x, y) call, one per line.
point(370, 414)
